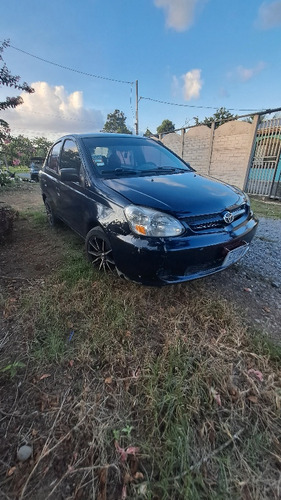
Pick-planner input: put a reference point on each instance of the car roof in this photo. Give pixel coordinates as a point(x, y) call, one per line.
point(102, 134)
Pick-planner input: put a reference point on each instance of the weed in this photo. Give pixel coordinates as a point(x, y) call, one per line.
point(12, 368)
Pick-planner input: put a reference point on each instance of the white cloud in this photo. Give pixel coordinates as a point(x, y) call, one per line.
point(269, 15)
point(192, 84)
point(245, 74)
point(51, 110)
point(179, 13)
point(188, 85)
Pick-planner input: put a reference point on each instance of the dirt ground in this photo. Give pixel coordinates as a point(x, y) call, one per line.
point(33, 254)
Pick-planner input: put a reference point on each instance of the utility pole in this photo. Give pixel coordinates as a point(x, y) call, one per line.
point(137, 107)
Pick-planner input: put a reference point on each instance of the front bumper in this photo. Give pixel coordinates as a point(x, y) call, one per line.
point(162, 261)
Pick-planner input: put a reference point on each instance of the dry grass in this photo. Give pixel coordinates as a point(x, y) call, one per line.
point(132, 392)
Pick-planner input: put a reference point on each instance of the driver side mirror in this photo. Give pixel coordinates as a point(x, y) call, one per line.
point(69, 175)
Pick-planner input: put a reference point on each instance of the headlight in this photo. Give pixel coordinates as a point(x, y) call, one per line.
point(148, 222)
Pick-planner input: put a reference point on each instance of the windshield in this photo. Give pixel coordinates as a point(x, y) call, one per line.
point(114, 157)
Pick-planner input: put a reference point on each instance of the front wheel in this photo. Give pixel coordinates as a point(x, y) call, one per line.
point(99, 250)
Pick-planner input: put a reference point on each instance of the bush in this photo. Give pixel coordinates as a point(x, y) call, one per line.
point(5, 178)
point(7, 218)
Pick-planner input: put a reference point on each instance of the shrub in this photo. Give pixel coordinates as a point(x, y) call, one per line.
point(7, 218)
point(5, 178)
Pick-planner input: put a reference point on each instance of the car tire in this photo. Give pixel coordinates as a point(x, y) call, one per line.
point(99, 250)
point(52, 219)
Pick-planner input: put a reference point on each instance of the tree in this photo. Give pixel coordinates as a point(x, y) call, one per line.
point(115, 123)
point(19, 150)
point(166, 127)
point(147, 133)
point(221, 116)
point(8, 80)
point(41, 146)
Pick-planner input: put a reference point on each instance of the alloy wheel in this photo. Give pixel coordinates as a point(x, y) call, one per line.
point(100, 254)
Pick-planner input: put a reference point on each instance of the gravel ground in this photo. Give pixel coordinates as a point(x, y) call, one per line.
point(264, 257)
point(253, 285)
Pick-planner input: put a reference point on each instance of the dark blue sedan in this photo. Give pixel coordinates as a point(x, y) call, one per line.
point(142, 210)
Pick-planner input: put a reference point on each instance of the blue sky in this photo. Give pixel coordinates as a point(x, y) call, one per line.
point(199, 54)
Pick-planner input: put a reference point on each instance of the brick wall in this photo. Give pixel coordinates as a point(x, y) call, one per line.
point(223, 154)
point(231, 151)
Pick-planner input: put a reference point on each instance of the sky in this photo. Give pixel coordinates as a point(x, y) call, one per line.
point(190, 57)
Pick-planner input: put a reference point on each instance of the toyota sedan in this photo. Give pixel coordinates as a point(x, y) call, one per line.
point(142, 210)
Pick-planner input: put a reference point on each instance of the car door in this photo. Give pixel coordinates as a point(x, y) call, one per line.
point(50, 178)
point(74, 196)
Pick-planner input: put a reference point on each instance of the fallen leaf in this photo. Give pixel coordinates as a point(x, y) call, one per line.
point(132, 450)
point(127, 478)
point(71, 363)
point(257, 373)
point(108, 380)
point(46, 375)
point(253, 399)
point(216, 396)
point(136, 373)
point(103, 484)
point(123, 453)
point(124, 492)
point(138, 475)
point(11, 471)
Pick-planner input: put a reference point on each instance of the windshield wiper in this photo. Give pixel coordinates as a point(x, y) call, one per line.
point(163, 170)
point(119, 171)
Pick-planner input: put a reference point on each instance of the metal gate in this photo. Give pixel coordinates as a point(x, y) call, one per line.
point(265, 171)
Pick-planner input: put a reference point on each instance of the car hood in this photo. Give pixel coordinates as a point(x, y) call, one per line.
point(187, 193)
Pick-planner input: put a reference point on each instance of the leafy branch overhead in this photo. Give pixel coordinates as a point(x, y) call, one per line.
point(12, 81)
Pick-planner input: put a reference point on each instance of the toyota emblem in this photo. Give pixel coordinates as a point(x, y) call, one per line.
point(228, 217)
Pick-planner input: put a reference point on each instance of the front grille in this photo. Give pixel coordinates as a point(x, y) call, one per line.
point(214, 221)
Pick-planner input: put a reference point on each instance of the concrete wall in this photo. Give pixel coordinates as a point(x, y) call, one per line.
point(223, 153)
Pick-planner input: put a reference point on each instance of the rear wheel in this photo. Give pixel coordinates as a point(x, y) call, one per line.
point(52, 219)
point(99, 250)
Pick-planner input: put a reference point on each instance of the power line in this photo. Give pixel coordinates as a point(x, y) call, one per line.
point(192, 106)
point(130, 83)
point(71, 69)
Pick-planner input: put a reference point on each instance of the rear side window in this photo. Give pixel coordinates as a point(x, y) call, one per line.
point(53, 158)
point(70, 157)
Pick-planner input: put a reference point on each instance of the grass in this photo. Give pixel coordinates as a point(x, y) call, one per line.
point(151, 393)
point(20, 169)
point(266, 208)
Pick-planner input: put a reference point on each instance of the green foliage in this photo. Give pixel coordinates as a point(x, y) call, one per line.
point(147, 133)
point(7, 79)
point(5, 178)
point(19, 150)
point(221, 116)
point(116, 123)
point(166, 127)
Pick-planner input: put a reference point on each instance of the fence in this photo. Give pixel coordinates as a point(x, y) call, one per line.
point(244, 154)
point(265, 169)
